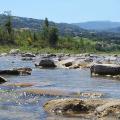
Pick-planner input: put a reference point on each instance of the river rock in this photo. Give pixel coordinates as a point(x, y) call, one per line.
point(28, 55)
point(93, 109)
point(51, 55)
point(105, 69)
point(73, 107)
point(16, 71)
point(9, 72)
point(27, 58)
point(2, 80)
point(46, 63)
point(24, 70)
point(111, 108)
point(67, 62)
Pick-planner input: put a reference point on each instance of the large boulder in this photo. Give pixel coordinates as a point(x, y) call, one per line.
point(73, 107)
point(105, 69)
point(92, 109)
point(2, 80)
point(46, 63)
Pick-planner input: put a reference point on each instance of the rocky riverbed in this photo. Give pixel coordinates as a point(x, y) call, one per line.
point(59, 86)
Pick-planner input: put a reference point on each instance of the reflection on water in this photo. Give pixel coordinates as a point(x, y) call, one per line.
point(16, 105)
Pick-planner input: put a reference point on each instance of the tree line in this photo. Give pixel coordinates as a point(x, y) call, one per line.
point(49, 37)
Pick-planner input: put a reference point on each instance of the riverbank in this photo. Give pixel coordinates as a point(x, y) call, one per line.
point(6, 49)
point(37, 50)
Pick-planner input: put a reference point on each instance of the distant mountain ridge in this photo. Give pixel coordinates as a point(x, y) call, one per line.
point(74, 29)
point(99, 25)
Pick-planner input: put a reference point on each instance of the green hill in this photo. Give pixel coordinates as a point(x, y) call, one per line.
point(35, 24)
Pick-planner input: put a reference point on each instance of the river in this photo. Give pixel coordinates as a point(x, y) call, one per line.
point(22, 106)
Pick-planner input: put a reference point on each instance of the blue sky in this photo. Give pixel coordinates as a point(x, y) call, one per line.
point(69, 11)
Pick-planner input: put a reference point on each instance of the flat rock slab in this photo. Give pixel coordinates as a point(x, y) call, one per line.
point(87, 109)
point(47, 92)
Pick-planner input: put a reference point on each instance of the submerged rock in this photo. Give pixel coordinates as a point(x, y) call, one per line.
point(47, 92)
point(2, 80)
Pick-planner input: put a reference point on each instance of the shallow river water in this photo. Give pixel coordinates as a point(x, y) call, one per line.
point(22, 106)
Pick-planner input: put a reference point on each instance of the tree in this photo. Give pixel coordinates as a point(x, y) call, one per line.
point(8, 24)
point(49, 34)
point(45, 31)
point(35, 37)
point(46, 22)
point(53, 36)
point(82, 44)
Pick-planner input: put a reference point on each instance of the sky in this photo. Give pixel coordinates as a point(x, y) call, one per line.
point(69, 11)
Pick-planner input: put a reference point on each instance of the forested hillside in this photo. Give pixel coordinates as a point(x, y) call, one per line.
point(36, 25)
point(30, 33)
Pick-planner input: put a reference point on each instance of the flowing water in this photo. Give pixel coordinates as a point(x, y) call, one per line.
point(16, 105)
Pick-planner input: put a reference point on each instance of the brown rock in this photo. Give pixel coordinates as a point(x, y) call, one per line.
point(88, 108)
point(73, 107)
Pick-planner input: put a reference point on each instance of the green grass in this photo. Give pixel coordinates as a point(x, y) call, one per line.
point(47, 50)
point(6, 49)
